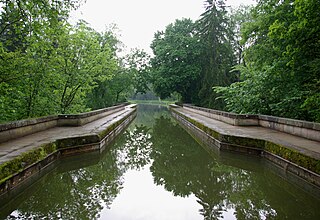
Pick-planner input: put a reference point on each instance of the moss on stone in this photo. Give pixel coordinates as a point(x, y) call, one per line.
point(16, 165)
point(199, 125)
point(77, 141)
point(294, 156)
point(244, 141)
point(112, 127)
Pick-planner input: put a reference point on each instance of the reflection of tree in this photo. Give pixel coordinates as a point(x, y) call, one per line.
point(82, 193)
point(147, 114)
point(184, 169)
point(134, 148)
point(75, 194)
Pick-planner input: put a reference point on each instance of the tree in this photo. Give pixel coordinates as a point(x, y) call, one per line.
point(175, 65)
point(138, 66)
point(218, 57)
point(21, 19)
point(83, 61)
point(282, 62)
point(54, 68)
point(29, 33)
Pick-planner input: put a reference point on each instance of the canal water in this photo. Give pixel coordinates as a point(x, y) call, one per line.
point(156, 170)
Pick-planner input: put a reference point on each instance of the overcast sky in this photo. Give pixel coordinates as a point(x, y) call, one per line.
point(138, 20)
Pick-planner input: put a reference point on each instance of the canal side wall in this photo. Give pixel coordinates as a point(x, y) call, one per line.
point(16, 129)
point(18, 170)
point(299, 128)
point(299, 164)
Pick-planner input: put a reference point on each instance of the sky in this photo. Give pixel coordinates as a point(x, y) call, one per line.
point(138, 20)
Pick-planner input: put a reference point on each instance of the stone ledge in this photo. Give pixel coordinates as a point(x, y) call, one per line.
point(17, 170)
point(305, 129)
point(25, 127)
point(79, 117)
point(299, 164)
point(27, 122)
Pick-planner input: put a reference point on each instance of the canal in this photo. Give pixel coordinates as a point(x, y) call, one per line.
point(156, 170)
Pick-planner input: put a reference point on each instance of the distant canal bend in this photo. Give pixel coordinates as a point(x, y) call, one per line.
point(156, 170)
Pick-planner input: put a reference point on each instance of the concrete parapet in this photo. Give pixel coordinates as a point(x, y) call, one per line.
point(87, 117)
point(17, 129)
point(305, 129)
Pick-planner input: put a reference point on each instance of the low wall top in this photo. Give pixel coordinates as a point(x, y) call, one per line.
point(280, 120)
point(305, 129)
point(33, 121)
point(91, 113)
point(27, 122)
point(223, 113)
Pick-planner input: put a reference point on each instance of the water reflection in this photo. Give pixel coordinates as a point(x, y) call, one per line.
point(74, 194)
point(185, 169)
point(155, 148)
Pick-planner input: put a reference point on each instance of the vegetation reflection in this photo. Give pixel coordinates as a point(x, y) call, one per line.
point(185, 169)
point(80, 193)
point(79, 189)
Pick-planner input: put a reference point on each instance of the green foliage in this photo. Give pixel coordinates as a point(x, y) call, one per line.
point(137, 63)
point(190, 58)
point(218, 57)
point(281, 72)
point(175, 65)
point(47, 65)
point(84, 62)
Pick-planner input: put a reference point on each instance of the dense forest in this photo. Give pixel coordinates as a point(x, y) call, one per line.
point(263, 59)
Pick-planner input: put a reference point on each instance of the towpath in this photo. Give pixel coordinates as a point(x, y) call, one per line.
point(14, 148)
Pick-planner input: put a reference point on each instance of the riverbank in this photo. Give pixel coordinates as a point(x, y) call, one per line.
point(295, 154)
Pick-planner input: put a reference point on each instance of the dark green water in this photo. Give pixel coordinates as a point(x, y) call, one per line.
point(156, 170)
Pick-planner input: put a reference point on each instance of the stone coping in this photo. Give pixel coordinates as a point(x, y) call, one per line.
point(292, 122)
point(91, 113)
point(223, 113)
point(305, 129)
point(33, 121)
point(288, 121)
point(17, 129)
point(27, 122)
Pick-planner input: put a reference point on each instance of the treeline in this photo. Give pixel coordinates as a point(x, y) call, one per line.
point(260, 60)
point(48, 66)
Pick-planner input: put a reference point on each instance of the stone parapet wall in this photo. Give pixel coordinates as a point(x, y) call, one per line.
point(87, 117)
point(305, 129)
point(16, 129)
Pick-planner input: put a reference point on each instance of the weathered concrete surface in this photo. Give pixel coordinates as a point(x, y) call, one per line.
point(13, 148)
point(17, 129)
point(298, 155)
point(305, 129)
point(22, 157)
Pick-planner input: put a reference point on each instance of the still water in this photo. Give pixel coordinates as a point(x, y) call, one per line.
point(156, 170)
